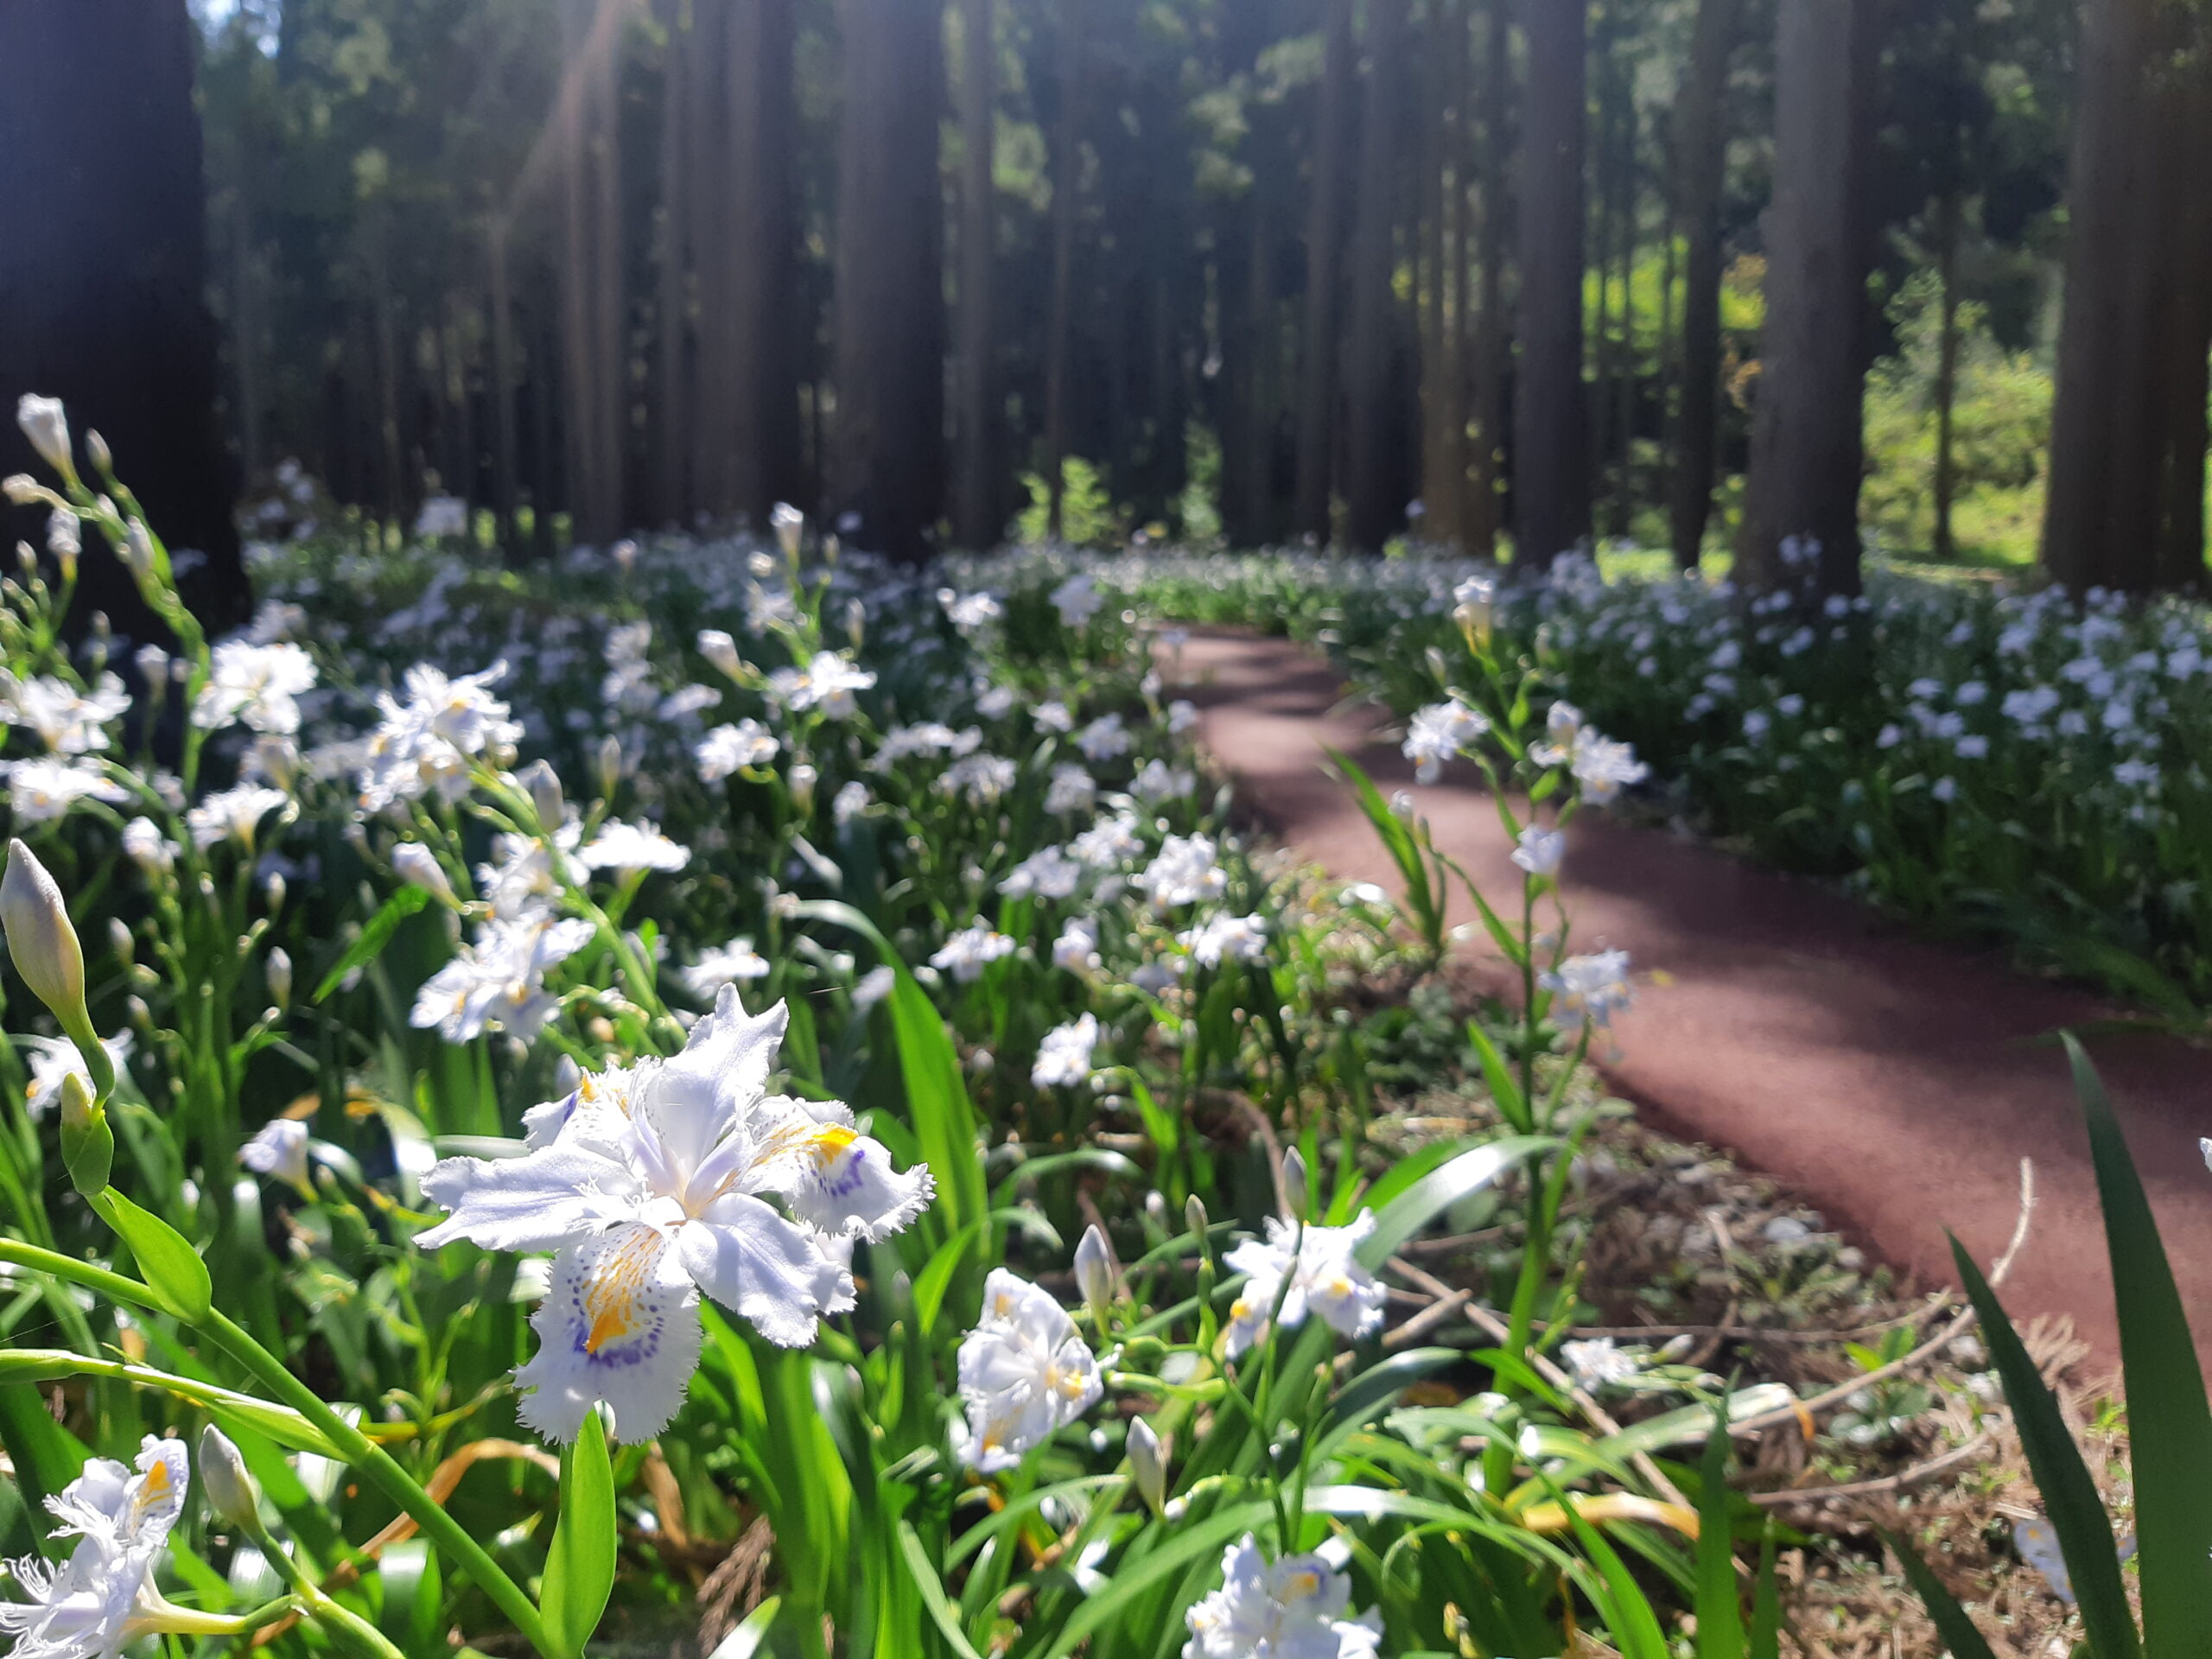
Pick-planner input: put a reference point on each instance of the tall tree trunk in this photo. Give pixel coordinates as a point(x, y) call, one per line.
point(245, 332)
point(671, 323)
point(1806, 447)
point(890, 306)
point(1443, 363)
point(1947, 365)
point(591, 266)
point(103, 267)
point(2184, 263)
point(763, 438)
point(1700, 157)
point(2100, 512)
point(1317, 386)
point(1067, 166)
point(1371, 512)
point(501, 393)
point(1550, 462)
point(1491, 346)
point(976, 519)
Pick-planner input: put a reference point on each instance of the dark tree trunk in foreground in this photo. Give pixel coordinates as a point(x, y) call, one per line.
point(1317, 386)
point(1806, 447)
point(976, 519)
point(1373, 506)
point(2126, 503)
point(888, 449)
point(1551, 459)
point(103, 256)
point(1700, 158)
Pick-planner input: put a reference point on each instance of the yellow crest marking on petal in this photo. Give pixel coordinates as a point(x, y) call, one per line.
point(828, 1143)
point(614, 1299)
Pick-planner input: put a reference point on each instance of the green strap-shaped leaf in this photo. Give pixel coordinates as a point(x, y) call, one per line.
point(1953, 1627)
point(1719, 1610)
point(2077, 1514)
point(580, 1563)
point(941, 1610)
point(374, 937)
point(2169, 1423)
point(1436, 1191)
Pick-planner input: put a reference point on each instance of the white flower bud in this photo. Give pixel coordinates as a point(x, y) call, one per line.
point(47, 427)
point(789, 524)
point(231, 1491)
point(96, 450)
point(273, 891)
point(64, 534)
point(720, 650)
point(41, 938)
point(544, 786)
point(20, 489)
point(802, 779)
point(279, 969)
point(1095, 1276)
point(610, 764)
point(1294, 1182)
point(416, 863)
point(1149, 1465)
point(1194, 1216)
point(121, 940)
point(137, 549)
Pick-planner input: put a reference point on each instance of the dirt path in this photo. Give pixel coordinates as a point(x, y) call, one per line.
point(1896, 1083)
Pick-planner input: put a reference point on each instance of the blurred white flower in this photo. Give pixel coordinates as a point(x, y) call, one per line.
point(1103, 739)
point(968, 952)
point(68, 721)
point(1024, 1374)
point(735, 961)
point(1324, 1276)
point(725, 748)
point(1292, 1609)
point(1589, 989)
point(1064, 1055)
point(53, 1059)
point(1539, 851)
point(630, 847)
point(1226, 938)
point(1437, 733)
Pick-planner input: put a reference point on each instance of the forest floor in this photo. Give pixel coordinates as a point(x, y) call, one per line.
point(1895, 1082)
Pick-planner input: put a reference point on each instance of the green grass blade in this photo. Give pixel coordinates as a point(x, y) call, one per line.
point(1953, 1627)
point(1719, 1610)
point(1436, 1191)
point(2077, 1514)
point(1766, 1604)
point(941, 1610)
point(2169, 1425)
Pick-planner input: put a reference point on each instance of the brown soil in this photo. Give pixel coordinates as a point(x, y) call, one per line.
point(1896, 1083)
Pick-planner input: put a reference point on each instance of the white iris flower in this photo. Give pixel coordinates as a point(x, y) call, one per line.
point(651, 1183)
point(102, 1599)
point(1024, 1374)
point(1324, 1278)
point(1293, 1609)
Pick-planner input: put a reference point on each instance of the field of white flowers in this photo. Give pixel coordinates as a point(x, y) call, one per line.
point(1990, 762)
point(723, 1097)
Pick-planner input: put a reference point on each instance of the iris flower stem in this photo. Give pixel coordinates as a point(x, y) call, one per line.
point(356, 1447)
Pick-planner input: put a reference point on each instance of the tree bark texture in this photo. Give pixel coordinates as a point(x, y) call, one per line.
point(887, 448)
point(1700, 160)
point(1373, 495)
point(103, 263)
point(1806, 448)
point(1551, 458)
point(1317, 387)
